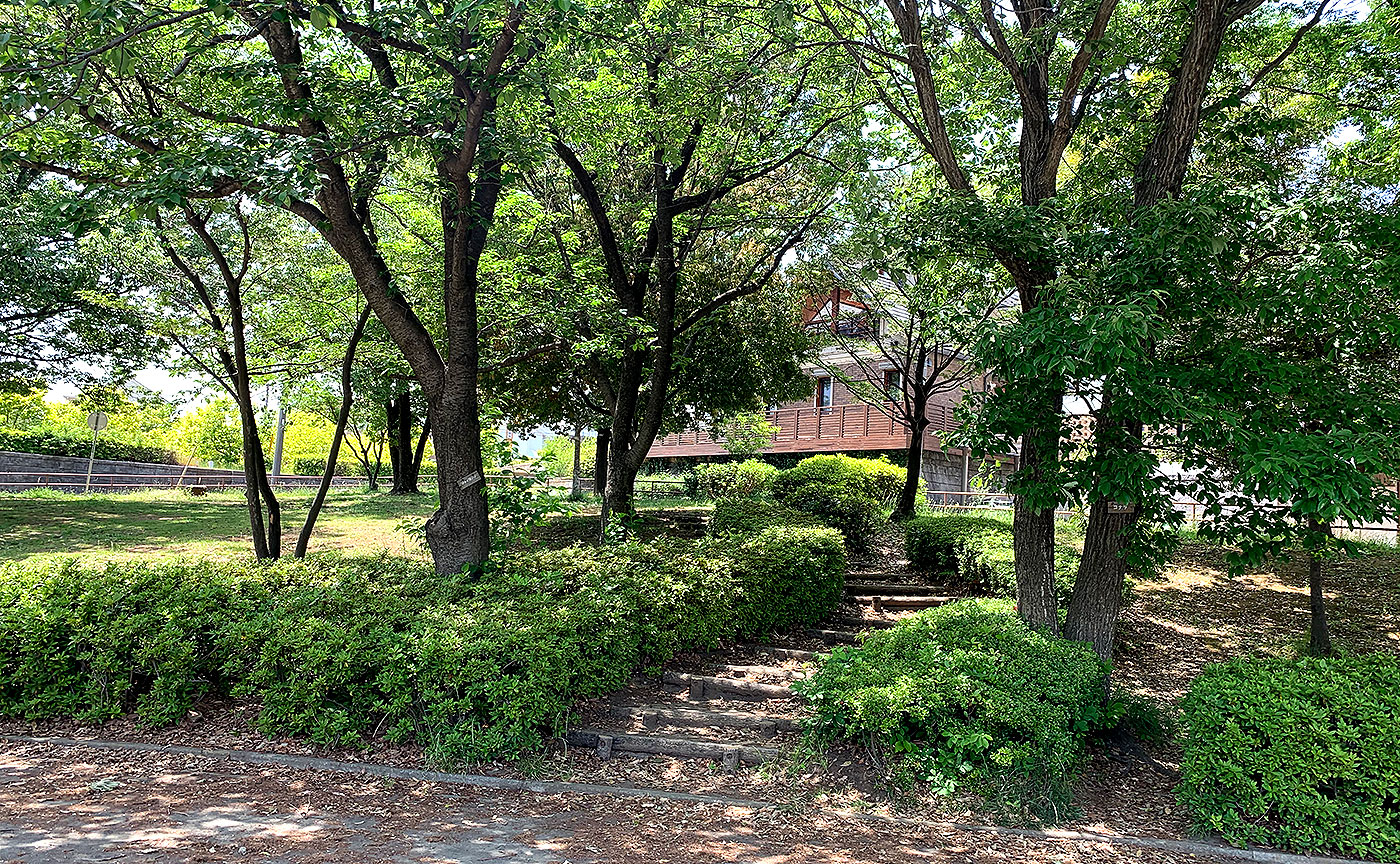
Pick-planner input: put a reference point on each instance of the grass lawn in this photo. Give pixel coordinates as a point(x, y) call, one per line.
point(169, 524)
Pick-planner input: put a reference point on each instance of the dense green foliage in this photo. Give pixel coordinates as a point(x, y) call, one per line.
point(343, 649)
point(1301, 754)
point(978, 550)
point(717, 480)
point(967, 693)
point(49, 444)
point(846, 493)
point(787, 576)
point(750, 516)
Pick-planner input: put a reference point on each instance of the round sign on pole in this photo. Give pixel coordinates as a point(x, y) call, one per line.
point(97, 421)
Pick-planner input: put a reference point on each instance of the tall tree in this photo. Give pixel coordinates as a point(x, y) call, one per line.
point(697, 129)
point(307, 108)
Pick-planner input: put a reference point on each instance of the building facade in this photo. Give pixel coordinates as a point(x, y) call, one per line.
point(833, 419)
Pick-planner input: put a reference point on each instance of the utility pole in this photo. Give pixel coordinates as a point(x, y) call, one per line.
point(281, 430)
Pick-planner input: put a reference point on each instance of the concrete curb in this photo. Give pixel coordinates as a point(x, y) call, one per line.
point(556, 787)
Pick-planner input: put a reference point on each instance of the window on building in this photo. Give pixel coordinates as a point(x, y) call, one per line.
point(824, 392)
point(894, 385)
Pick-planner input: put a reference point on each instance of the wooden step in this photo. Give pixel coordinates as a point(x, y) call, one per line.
point(859, 624)
point(608, 744)
point(880, 604)
point(894, 588)
point(786, 653)
point(836, 637)
point(740, 670)
point(655, 716)
point(704, 687)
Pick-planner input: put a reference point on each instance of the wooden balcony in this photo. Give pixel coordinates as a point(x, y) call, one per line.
point(816, 430)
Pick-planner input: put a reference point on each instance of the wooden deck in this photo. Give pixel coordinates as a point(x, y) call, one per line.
point(816, 430)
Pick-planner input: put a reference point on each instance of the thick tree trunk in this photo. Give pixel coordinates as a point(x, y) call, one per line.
point(1096, 602)
point(913, 471)
point(1097, 598)
point(458, 533)
point(619, 494)
point(342, 419)
point(1319, 636)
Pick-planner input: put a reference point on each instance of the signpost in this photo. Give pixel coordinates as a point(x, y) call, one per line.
point(96, 421)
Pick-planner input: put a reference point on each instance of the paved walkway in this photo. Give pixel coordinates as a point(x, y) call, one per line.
point(60, 804)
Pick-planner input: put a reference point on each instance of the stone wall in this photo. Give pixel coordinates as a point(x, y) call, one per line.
point(21, 471)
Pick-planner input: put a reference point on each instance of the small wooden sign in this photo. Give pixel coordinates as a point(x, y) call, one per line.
point(1116, 507)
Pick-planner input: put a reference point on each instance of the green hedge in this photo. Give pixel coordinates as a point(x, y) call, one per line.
point(49, 444)
point(741, 516)
point(967, 693)
point(1299, 754)
point(978, 551)
point(788, 576)
point(849, 494)
point(340, 649)
point(719, 480)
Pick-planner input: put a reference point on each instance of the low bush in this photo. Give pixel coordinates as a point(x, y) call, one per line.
point(1298, 754)
point(846, 493)
point(967, 695)
point(342, 649)
point(720, 480)
point(978, 551)
point(740, 516)
point(49, 444)
point(788, 576)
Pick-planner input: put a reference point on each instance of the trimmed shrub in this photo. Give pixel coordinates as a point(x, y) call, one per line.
point(848, 494)
point(967, 694)
point(341, 649)
point(1298, 754)
point(740, 516)
point(719, 480)
point(789, 576)
point(49, 444)
point(978, 551)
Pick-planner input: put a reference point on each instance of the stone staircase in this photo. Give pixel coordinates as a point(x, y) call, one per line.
point(736, 706)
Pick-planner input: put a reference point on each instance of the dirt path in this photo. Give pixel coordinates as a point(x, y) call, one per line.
point(65, 805)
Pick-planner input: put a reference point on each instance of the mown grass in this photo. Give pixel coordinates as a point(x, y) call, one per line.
point(166, 524)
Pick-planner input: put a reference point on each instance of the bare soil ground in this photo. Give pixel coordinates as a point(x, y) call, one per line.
point(59, 805)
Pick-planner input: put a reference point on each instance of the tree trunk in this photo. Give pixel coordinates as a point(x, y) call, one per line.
point(1319, 636)
point(458, 533)
point(622, 482)
point(1097, 598)
point(342, 419)
point(1096, 602)
point(1033, 536)
point(399, 411)
point(600, 460)
point(913, 469)
point(415, 467)
point(578, 461)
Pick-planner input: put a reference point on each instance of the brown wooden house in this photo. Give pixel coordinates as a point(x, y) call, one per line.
point(833, 420)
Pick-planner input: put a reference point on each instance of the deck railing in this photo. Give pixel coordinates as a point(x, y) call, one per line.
point(851, 422)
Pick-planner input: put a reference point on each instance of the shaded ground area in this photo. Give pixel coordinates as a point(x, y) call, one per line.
point(61, 805)
point(1198, 613)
